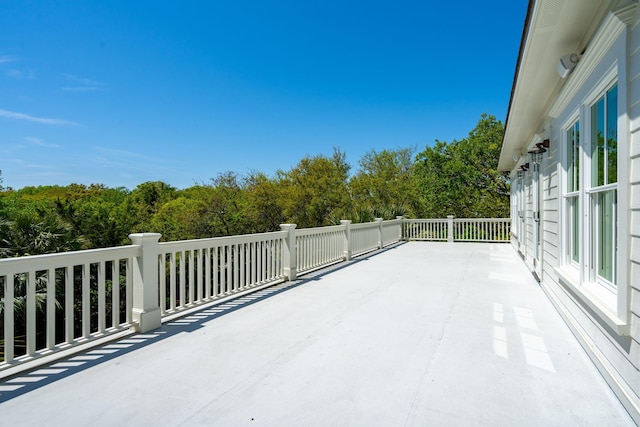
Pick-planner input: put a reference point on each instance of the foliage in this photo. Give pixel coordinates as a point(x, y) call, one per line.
point(315, 191)
point(264, 208)
point(178, 219)
point(146, 200)
point(34, 234)
point(458, 178)
point(461, 178)
point(101, 213)
point(384, 186)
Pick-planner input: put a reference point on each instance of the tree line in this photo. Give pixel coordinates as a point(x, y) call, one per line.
point(458, 178)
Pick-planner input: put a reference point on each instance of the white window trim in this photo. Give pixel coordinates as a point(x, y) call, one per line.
point(572, 267)
point(612, 305)
point(589, 274)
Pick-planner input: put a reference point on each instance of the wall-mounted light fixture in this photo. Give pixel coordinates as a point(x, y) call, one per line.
point(542, 146)
point(536, 156)
point(536, 152)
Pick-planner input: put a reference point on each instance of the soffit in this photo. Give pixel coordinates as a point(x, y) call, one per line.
point(554, 28)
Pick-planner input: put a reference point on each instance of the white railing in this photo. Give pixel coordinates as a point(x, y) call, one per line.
point(425, 229)
point(458, 230)
point(391, 231)
point(364, 238)
point(318, 247)
point(195, 272)
point(64, 299)
point(482, 230)
point(50, 303)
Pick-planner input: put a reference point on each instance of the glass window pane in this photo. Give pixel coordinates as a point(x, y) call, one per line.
point(576, 156)
point(573, 158)
point(597, 143)
point(612, 135)
point(570, 160)
point(574, 227)
point(606, 231)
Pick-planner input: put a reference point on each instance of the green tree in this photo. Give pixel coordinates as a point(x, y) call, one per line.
point(226, 207)
point(98, 213)
point(145, 200)
point(180, 219)
point(462, 178)
point(385, 185)
point(264, 203)
point(315, 192)
point(37, 233)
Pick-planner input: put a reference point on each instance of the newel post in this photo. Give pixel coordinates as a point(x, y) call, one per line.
point(347, 239)
point(400, 227)
point(290, 256)
point(380, 241)
point(145, 305)
point(450, 228)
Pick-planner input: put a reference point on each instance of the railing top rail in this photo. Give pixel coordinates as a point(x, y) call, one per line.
point(61, 259)
point(220, 241)
point(318, 230)
point(425, 220)
point(482, 220)
point(364, 225)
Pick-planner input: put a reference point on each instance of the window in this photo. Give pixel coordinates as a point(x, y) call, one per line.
point(572, 194)
point(591, 190)
point(592, 133)
point(603, 191)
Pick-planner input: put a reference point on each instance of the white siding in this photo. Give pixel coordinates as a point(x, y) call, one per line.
point(616, 355)
point(634, 196)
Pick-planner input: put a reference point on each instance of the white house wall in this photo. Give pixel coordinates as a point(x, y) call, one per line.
point(616, 354)
point(634, 183)
point(634, 193)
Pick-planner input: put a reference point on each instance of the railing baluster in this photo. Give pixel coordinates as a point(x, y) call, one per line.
point(199, 267)
point(129, 289)
point(172, 281)
point(264, 261)
point(207, 272)
point(182, 279)
point(236, 268)
point(115, 293)
point(162, 279)
point(271, 260)
point(191, 281)
point(102, 295)
point(51, 308)
point(9, 318)
point(254, 257)
point(216, 271)
point(228, 285)
point(31, 312)
point(86, 300)
point(243, 249)
point(69, 278)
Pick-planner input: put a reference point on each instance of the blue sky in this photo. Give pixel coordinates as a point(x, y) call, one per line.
point(120, 93)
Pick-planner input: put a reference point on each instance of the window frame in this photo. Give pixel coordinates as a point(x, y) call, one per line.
point(572, 194)
point(603, 296)
point(603, 64)
point(592, 192)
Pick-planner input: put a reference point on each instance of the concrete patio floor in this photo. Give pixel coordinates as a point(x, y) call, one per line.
point(421, 334)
